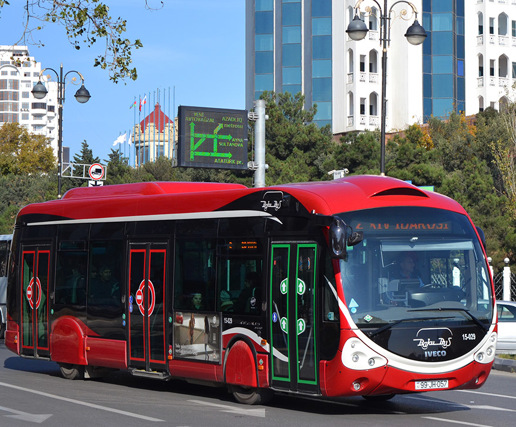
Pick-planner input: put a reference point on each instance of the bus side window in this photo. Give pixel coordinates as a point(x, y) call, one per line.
point(194, 280)
point(104, 273)
point(71, 278)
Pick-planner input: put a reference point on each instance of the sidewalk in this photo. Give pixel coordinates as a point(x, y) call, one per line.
point(507, 365)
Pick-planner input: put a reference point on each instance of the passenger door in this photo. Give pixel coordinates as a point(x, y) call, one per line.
point(292, 315)
point(146, 306)
point(34, 288)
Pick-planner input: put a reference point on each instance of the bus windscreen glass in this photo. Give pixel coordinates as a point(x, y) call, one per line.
point(415, 266)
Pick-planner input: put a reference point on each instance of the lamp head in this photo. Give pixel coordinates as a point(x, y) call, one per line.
point(82, 95)
point(357, 29)
point(415, 34)
point(39, 90)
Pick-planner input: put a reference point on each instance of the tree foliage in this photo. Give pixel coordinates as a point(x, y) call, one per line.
point(24, 153)
point(296, 148)
point(86, 23)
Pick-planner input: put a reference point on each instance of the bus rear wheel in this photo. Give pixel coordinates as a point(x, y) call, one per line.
point(71, 372)
point(251, 396)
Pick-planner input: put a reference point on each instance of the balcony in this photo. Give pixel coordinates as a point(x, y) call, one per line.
point(503, 40)
point(374, 122)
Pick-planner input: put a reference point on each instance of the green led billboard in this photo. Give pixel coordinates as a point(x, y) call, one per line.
point(212, 138)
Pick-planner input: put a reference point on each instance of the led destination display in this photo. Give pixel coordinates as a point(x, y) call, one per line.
point(212, 138)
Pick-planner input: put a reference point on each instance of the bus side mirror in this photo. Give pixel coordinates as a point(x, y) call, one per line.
point(482, 237)
point(338, 238)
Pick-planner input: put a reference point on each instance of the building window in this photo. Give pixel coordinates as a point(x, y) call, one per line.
point(321, 47)
point(491, 26)
point(321, 8)
point(264, 5)
point(291, 14)
point(291, 55)
point(264, 22)
point(291, 35)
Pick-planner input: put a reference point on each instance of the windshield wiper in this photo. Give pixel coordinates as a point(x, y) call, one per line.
point(397, 322)
point(461, 309)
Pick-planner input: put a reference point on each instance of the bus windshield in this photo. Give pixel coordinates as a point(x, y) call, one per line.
point(415, 263)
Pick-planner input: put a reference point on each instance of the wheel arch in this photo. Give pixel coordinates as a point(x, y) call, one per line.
point(67, 341)
point(239, 351)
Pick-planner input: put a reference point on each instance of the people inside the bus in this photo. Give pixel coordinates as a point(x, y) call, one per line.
point(196, 303)
point(407, 267)
point(248, 299)
point(106, 285)
point(226, 305)
point(75, 285)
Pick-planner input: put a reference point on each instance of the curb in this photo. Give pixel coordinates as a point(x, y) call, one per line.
point(507, 365)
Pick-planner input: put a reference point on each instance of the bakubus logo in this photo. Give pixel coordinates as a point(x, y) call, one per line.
point(434, 341)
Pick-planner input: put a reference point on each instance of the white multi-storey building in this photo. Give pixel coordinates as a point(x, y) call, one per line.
point(467, 62)
point(19, 72)
point(490, 54)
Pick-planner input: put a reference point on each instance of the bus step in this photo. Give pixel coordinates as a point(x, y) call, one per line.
point(150, 374)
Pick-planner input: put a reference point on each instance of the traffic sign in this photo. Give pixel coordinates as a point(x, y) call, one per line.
point(96, 171)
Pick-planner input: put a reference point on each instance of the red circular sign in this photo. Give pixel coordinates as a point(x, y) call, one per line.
point(140, 298)
point(96, 171)
point(30, 291)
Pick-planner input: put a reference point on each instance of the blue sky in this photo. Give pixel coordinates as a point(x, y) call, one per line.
point(194, 46)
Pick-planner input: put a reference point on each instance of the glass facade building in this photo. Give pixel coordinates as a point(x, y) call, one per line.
point(443, 58)
point(291, 51)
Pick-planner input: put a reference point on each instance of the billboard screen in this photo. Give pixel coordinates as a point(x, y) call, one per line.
point(212, 138)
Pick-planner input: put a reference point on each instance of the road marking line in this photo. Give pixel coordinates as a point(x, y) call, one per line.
point(456, 422)
point(78, 402)
point(488, 394)
point(255, 412)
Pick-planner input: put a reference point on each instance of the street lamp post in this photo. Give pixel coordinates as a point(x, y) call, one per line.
point(357, 30)
point(82, 95)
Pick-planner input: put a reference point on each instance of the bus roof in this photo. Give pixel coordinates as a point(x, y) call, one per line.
point(159, 198)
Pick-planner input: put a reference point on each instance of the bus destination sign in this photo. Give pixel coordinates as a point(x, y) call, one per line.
point(212, 138)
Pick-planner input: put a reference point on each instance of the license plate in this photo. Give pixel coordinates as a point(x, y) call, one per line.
point(431, 384)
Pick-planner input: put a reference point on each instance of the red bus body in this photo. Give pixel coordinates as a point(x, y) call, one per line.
point(169, 241)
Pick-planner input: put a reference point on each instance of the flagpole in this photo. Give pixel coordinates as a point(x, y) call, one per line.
point(174, 153)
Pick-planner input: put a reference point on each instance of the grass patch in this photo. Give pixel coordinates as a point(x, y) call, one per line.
point(507, 356)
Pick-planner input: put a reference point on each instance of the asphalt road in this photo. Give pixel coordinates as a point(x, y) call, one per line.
point(32, 392)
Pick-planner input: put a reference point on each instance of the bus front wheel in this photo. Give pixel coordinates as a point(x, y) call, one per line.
point(251, 396)
point(71, 372)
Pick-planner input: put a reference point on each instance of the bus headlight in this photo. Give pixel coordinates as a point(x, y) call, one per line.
point(486, 353)
point(356, 355)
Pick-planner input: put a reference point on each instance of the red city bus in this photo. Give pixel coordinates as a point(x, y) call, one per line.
point(363, 286)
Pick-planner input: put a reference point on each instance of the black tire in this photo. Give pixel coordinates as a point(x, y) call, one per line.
point(72, 372)
point(251, 396)
point(379, 398)
point(2, 329)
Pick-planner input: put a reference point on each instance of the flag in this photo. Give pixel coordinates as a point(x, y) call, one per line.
point(130, 136)
point(143, 102)
point(133, 104)
point(120, 139)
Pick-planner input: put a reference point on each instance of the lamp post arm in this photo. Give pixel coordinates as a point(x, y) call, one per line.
point(359, 2)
